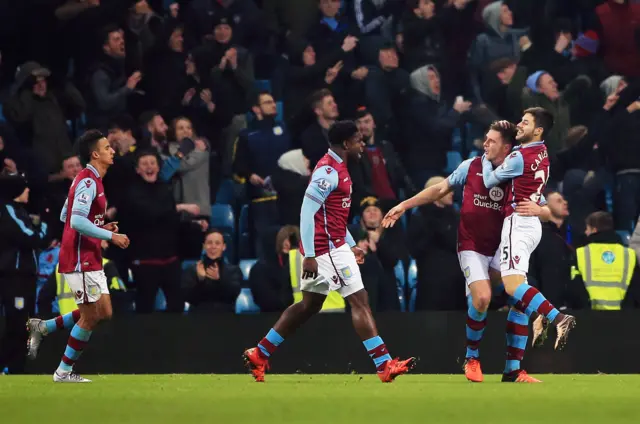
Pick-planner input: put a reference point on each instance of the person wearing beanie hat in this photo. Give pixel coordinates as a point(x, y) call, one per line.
point(331, 261)
point(533, 79)
point(586, 44)
point(21, 236)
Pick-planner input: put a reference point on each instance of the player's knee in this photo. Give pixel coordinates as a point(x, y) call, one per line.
point(481, 301)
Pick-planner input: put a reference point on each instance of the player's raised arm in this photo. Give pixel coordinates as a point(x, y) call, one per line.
point(83, 197)
point(323, 181)
point(512, 167)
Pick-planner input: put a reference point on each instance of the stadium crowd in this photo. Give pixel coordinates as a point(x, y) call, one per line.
point(218, 111)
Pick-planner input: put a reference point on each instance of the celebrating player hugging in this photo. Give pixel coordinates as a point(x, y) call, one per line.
point(331, 260)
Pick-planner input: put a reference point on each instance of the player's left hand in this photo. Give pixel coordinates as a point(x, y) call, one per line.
point(112, 226)
point(528, 208)
point(359, 254)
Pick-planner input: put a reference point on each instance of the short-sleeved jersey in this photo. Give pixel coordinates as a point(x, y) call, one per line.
point(79, 253)
point(330, 188)
point(481, 214)
point(533, 180)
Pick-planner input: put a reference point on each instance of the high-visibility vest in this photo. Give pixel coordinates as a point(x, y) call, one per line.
point(66, 298)
point(333, 303)
point(606, 269)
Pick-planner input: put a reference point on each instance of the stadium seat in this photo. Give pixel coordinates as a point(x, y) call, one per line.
point(188, 264)
point(245, 250)
point(412, 283)
point(161, 301)
point(625, 236)
point(245, 303)
point(473, 154)
point(453, 160)
point(245, 267)
point(226, 193)
point(262, 85)
point(400, 285)
point(222, 218)
point(2, 119)
point(280, 109)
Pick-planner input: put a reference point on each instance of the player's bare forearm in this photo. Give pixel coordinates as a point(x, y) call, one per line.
point(545, 214)
point(428, 195)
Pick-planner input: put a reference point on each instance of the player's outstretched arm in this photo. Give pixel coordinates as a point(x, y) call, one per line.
point(512, 167)
point(83, 197)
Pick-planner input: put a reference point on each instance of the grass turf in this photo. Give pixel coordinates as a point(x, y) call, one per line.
point(186, 399)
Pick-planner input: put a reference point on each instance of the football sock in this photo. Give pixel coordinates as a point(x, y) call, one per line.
point(377, 350)
point(511, 301)
point(534, 301)
point(77, 341)
point(476, 321)
point(517, 333)
point(270, 343)
point(62, 321)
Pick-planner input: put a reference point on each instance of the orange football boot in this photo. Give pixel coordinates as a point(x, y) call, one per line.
point(473, 371)
point(396, 367)
point(255, 362)
point(519, 376)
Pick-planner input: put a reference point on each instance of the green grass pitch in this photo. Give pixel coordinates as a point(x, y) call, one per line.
point(327, 399)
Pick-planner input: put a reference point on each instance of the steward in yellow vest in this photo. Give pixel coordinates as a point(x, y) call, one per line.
point(333, 303)
point(57, 288)
point(606, 267)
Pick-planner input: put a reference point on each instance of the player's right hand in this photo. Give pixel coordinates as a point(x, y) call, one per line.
point(120, 240)
point(309, 268)
point(393, 215)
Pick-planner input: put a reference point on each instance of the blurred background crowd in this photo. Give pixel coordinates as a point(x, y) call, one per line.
point(218, 111)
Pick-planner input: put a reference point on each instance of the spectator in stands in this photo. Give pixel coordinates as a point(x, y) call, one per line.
point(256, 159)
point(231, 70)
point(290, 180)
point(330, 30)
point(57, 193)
point(432, 241)
point(498, 41)
point(383, 249)
point(122, 139)
point(634, 242)
point(422, 35)
point(429, 125)
point(380, 167)
point(39, 115)
point(307, 74)
point(152, 220)
point(616, 22)
point(607, 276)
point(502, 86)
point(270, 277)
point(109, 86)
point(314, 139)
point(212, 284)
point(144, 27)
point(189, 172)
point(543, 92)
point(8, 147)
point(376, 17)
point(385, 86)
point(550, 268)
point(155, 131)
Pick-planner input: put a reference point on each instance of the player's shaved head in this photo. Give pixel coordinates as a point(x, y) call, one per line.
point(88, 143)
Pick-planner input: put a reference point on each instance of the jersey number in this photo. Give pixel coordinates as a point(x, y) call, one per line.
point(539, 175)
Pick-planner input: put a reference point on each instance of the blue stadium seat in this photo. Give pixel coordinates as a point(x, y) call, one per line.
point(245, 303)
point(188, 264)
point(412, 283)
point(453, 160)
point(400, 285)
point(245, 249)
point(280, 109)
point(473, 154)
point(2, 119)
point(161, 301)
point(245, 267)
point(222, 218)
point(262, 85)
point(625, 236)
point(226, 193)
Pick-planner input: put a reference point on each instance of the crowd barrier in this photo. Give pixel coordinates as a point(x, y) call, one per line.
point(602, 342)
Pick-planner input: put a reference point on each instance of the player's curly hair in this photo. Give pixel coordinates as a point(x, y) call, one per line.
point(506, 129)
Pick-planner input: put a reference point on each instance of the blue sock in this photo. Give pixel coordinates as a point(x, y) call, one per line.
point(517, 333)
point(270, 342)
point(532, 300)
point(476, 321)
point(60, 322)
point(377, 350)
point(77, 341)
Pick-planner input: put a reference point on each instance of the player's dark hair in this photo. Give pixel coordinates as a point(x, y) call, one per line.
point(87, 143)
point(601, 221)
point(318, 96)
point(506, 129)
point(542, 118)
point(341, 131)
point(259, 94)
point(106, 33)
